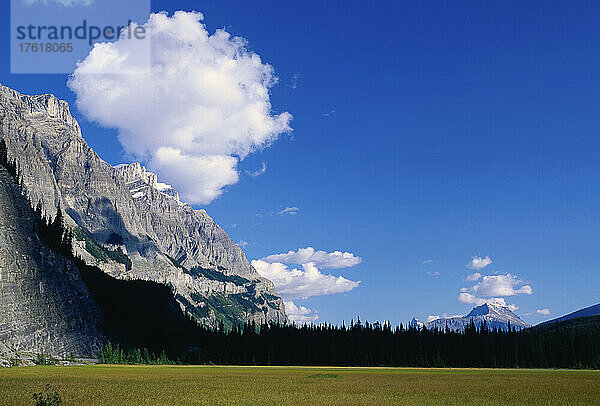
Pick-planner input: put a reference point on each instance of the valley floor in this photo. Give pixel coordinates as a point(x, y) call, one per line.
point(214, 385)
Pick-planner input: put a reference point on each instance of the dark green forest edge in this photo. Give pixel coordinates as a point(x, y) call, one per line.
point(570, 344)
point(144, 324)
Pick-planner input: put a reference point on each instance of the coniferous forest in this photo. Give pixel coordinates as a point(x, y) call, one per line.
point(569, 344)
point(145, 325)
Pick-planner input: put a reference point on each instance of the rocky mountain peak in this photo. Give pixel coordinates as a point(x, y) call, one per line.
point(481, 310)
point(494, 313)
point(126, 222)
point(492, 308)
point(45, 104)
point(137, 178)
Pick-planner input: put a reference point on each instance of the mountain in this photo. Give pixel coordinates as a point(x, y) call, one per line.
point(45, 304)
point(494, 314)
point(586, 312)
point(128, 224)
point(582, 324)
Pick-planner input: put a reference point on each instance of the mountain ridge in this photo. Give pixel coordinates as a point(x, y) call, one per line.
point(160, 236)
point(589, 311)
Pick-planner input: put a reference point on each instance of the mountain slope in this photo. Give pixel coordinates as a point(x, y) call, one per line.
point(45, 305)
point(583, 323)
point(126, 223)
point(495, 315)
point(585, 312)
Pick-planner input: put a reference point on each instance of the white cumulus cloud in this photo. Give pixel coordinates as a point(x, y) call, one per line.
point(322, 259)
point(493, 289)
point(478, 263)
point(544, 312)
point(300, 314)
point(501, 285)
point(302, 283)
point(466, 297)
point(193, 112)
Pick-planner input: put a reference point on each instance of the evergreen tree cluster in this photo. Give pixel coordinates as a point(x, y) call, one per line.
point(52, 231)
point(571, 344)
point(116, 355)
point(142, 314)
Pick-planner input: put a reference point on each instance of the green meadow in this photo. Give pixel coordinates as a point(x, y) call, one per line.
point(213, 385)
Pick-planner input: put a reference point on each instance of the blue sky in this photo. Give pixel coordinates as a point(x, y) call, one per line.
point(423, 135)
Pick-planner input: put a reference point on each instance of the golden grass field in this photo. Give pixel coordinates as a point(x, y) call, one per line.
point(214, 385)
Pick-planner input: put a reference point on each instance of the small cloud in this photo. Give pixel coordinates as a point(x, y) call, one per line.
point(329, 113)
point(234, 225)
point(427, 261)
point(322, 259)
point(302, 283)
point(500, 285)
point(258, 172)
point(436, 273)
point(292, 211)
point(242, 243)
point(295, 79)
point(543, 312)
point(473, 277)
point(527, 290)
point(478, 263)
point(300, 314)
point(465, 297)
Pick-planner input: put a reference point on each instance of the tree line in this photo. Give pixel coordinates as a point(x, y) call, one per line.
point(146, 326)
point(570, 344)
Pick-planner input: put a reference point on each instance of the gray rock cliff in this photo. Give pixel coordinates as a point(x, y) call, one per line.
point(127, 223)
point(45, 305)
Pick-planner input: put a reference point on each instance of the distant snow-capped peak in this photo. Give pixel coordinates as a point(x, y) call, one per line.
point(494, 313)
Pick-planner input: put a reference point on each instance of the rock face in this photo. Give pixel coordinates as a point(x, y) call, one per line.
point(495, 315)
point(45, 306)
point(126, 222)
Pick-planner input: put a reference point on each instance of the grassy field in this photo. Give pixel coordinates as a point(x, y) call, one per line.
point(190, 385)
